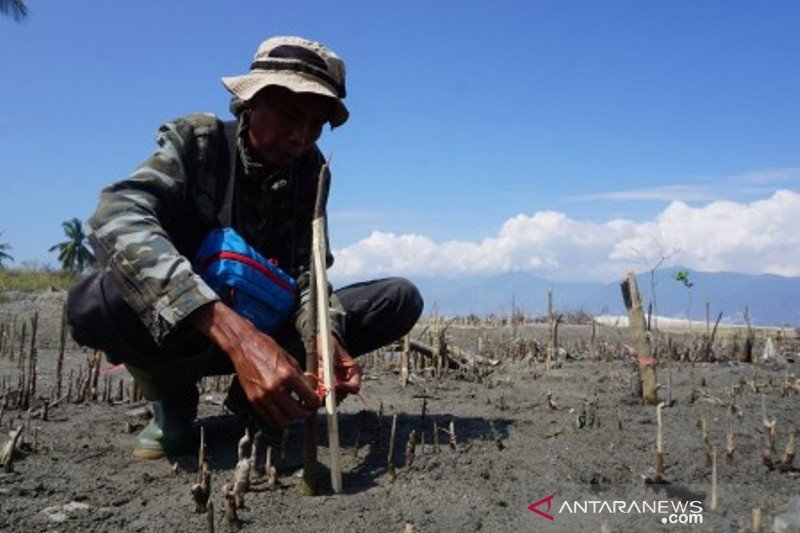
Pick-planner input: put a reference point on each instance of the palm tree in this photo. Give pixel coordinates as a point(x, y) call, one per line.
point(15, 8)
point(73, 253)
point(4, 255)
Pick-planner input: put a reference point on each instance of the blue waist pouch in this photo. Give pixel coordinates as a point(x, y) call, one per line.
point(250, 284)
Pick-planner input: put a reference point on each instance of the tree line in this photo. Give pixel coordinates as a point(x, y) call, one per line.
point(73, 253)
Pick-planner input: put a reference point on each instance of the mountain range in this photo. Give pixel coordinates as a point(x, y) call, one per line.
point(769, 300)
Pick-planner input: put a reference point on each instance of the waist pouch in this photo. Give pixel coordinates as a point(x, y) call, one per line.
point(250, 284)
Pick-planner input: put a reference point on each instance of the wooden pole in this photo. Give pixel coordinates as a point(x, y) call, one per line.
point(390, 456)
point(308, 486)
point(323, 321)
point(659, 441)
point(647, 371)
point(404, 362)
point(713, 478)
point(320, 278)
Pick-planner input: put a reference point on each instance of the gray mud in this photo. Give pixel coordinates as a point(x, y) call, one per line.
point(512, 449)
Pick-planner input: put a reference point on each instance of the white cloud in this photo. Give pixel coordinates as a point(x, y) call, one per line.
point(757, 237)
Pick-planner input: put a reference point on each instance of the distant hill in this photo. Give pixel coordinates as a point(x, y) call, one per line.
point(770, 300)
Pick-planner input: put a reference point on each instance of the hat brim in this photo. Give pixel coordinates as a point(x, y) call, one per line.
point(246, 86)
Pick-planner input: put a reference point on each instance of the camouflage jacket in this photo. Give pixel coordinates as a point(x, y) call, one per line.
point(147, 228)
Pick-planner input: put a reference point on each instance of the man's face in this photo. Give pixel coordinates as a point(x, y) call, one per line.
point(284, 124)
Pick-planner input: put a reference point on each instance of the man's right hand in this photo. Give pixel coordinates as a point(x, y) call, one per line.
point(271, 378)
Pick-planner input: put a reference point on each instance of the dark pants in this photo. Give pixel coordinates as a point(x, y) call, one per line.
point(376, 313)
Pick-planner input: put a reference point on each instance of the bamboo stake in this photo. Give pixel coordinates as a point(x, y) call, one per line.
point(258, 468)
point(244, 445)
point(404, 359)
point(210, 516)
point(390, 457)
point(272, 473)
point(319, 250)
point(308, 486)
point(95, 372)
point(713, 478)
point(659, 441)
point(669, 380)
point(771, 425)
point(201, 455)
point(755, 520)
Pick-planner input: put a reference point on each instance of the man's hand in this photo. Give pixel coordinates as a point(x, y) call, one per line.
point(271, 378)
point(346, 372)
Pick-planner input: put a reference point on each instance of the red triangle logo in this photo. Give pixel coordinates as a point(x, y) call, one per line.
point(533, 507)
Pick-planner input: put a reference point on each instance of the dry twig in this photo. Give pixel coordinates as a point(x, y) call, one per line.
point(9, 449)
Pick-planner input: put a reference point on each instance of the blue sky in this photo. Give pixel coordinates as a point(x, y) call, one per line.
point(572, 139)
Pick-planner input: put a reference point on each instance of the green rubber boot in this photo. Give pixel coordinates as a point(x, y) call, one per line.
point(170, 432)
point(171, 387)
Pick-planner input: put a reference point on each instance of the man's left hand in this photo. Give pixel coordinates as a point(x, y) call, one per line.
point(346, 371)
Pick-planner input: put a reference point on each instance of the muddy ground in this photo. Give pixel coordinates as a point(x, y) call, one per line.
point(512, 448)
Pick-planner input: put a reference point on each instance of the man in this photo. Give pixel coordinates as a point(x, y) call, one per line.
point(147, 306)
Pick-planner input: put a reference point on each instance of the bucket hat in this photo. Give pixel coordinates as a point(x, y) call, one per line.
point(299, 65)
